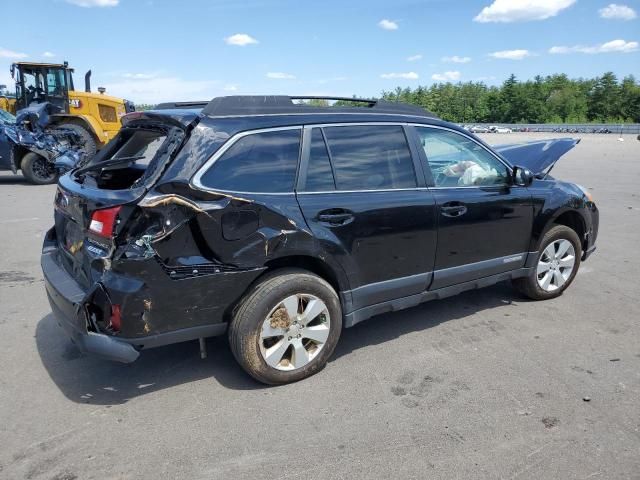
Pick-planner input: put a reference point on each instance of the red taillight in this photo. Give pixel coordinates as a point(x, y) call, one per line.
point(115, 319)
point(104, 221)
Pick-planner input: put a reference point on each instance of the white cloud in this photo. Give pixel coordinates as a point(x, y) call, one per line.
point(230, 88)
point(280, 76)
point(607, 47)
point(405, 76)
point(241, 40)
point(456, 59)
point(506, 11)
point(388, 24)
point(48, 54)
point(511, 54)
point(94, 3)
point(140, 76)
point(162, 89)
point(414, 58)
point(446, 76)
point(4, 53)
point(614, 11)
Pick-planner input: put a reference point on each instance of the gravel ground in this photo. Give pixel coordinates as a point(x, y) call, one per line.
point(483, 385)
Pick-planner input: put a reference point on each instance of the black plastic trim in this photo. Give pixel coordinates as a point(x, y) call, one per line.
point(365, 313)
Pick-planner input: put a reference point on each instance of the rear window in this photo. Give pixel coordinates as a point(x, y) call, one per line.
point(263, 162)
point(370, 157)
point(133, 158)
point(140, 143)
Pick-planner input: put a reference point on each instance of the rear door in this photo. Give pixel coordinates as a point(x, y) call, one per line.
point(484, 221)
point(361, 190)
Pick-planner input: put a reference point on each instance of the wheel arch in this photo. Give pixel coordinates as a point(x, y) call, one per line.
point(333, 276)
point(571, 219)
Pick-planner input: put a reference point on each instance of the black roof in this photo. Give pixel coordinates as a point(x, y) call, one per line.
point(240, 105)
point(181, 105)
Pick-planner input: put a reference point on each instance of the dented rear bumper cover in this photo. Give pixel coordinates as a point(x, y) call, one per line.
point(68, 300)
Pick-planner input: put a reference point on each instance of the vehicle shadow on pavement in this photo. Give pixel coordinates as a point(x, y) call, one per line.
point(14, 180)
point(389, 326)
point(86, 379)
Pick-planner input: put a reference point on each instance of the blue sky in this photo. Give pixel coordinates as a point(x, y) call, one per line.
point(157, 50)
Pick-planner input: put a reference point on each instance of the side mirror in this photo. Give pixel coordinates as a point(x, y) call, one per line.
point(522, 176)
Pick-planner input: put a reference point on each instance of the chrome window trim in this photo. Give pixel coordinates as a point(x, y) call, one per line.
point(387, 190)
point(196, 182)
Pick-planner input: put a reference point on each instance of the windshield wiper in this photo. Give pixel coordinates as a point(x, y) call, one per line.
point(107, 163)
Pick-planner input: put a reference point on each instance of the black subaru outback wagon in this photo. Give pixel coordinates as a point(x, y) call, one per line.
point(281, 223)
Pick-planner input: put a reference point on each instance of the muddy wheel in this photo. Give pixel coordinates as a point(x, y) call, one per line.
point(38, 170)
point(287, 327)
point(556, 267)
point(86, 139)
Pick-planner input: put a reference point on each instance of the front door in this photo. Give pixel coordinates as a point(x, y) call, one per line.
point(484, 221)
point(364, 199)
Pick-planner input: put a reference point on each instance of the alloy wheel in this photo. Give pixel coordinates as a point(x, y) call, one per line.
point(294, 332)
point(556, 265)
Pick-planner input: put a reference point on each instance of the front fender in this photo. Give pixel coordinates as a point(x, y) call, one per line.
point(554, 199)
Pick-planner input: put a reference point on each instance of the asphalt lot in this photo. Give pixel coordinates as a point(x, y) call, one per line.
point(483, 385)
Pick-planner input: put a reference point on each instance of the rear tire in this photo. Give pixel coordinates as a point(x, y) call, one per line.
point(287, 327)
point(86, 139)
point(38, 170)
point(556, 265)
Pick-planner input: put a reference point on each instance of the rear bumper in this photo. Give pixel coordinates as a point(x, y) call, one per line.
point(68, 300)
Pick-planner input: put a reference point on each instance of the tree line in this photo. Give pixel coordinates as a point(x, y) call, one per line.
point(551, 99)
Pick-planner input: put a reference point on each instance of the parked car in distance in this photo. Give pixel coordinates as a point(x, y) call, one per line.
point(498, 129)
point(479, 129)
point(280, 224)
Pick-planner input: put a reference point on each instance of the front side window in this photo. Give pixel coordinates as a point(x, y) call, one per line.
point(370, 157)
point(259, 162)
point(458, 161)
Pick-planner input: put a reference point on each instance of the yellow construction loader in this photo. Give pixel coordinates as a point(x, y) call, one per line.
point(95, 117)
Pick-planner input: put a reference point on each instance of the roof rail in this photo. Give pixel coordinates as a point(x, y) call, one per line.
point(180, 105)
point(238, 105)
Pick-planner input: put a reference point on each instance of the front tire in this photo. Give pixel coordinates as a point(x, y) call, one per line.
point(287, 327)
point(556, 265)
point(38, 170)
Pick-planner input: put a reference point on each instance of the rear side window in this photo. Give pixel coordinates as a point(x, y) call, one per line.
point(370, 157)
point(258, 162)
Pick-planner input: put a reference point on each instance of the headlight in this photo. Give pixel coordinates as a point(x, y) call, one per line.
point(586, 192)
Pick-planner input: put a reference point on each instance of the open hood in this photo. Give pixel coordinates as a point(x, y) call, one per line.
point(539, 156)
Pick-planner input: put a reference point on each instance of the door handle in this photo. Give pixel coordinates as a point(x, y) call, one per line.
point(453, 209)
point(335, 216)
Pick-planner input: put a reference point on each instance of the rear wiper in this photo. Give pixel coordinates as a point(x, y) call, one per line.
point(106, 164)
